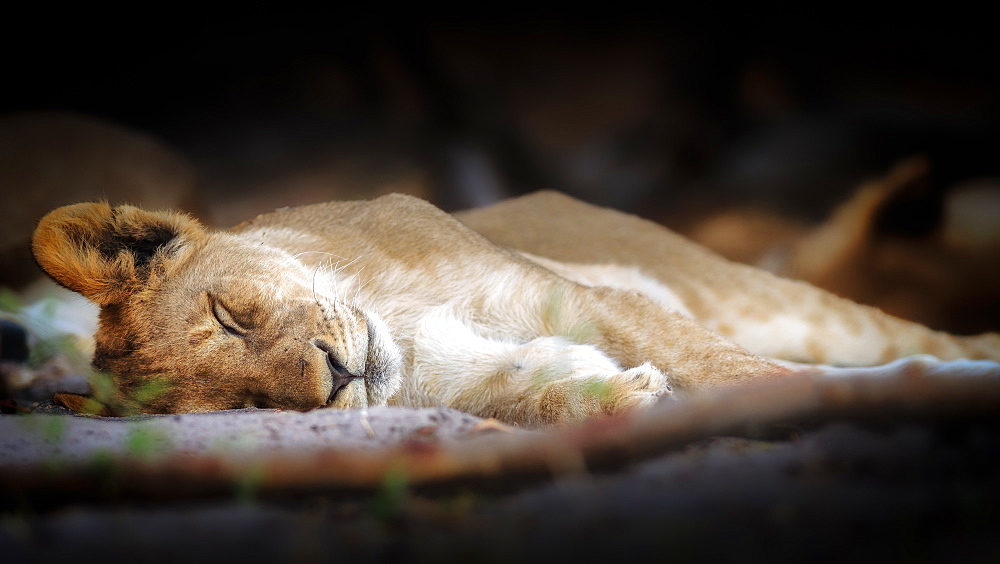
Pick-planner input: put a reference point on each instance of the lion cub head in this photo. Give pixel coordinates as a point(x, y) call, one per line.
point(223, 320)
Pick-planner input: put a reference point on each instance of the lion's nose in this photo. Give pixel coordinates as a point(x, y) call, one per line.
point(340, 376)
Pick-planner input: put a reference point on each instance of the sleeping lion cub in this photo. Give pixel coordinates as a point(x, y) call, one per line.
point(537, 310)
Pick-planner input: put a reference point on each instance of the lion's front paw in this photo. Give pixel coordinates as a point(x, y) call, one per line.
point(574, 399)
point(636, 387)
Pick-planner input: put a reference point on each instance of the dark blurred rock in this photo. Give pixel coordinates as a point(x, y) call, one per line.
point(13, 342)
point(50, 159)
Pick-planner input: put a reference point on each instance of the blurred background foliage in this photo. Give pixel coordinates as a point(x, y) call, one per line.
point(652, 111)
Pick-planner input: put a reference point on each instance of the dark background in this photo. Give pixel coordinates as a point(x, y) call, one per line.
point(644, 111)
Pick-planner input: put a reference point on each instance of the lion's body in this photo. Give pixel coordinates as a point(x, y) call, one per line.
point(546, 310)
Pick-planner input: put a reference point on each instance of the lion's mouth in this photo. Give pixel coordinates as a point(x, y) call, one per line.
point(380, 371)
point(340, 379)
point(340, 376)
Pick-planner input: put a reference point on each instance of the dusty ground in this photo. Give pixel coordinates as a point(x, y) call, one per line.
point(862, 485)
point(908, 492)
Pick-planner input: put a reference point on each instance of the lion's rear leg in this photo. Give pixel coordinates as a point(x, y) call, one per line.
point(767, 315)
point(795, 321)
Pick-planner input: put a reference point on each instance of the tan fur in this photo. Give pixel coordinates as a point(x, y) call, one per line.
point(420, 309)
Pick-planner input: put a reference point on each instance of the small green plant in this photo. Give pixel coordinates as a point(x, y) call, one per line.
point(151, 389)
point(54, 429)
point(249, 482)
point(102, 387)
point(598, 388)
point(47, 340)
point(563, 323)
point(108, 397)
point(51, 428)
point(144, 442)
point(10, 302)
point(104, 464)
point(392, 496)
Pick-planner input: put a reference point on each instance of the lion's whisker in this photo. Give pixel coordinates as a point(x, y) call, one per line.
point(372, 279)
point(336, 280)
point(315, 272)
point(349, 263)
point(297, 255)
point(356, 277)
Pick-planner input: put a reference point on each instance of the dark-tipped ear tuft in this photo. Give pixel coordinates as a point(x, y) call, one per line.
point(102, 251)
point(141, 241)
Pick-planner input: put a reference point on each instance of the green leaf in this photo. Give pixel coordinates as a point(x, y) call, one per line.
point(392, 495)
point(10, 301)
point(249, 483)
point(151, 389)
point(144, 442)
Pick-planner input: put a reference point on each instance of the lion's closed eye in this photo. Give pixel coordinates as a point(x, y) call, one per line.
point(226, 320)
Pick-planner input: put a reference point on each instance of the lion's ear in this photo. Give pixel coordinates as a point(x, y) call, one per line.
point(105, 252)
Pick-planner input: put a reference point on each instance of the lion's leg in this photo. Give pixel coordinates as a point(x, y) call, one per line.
point(543, 381)
point(768, 315)
point(633, 328)
point(626, 325)
point(802, 323)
